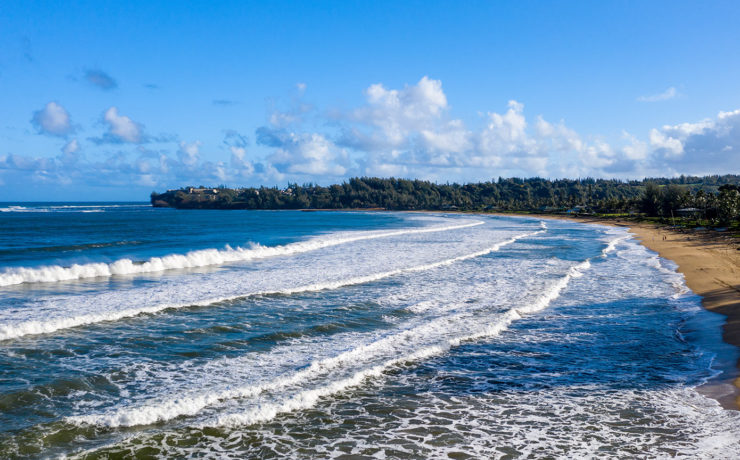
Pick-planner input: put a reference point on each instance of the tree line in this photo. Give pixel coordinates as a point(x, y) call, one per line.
point(713, 198)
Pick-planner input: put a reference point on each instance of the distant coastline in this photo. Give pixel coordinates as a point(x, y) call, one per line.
point(689, 201)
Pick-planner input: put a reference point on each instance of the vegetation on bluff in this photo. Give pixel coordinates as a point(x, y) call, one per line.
point(715, 199)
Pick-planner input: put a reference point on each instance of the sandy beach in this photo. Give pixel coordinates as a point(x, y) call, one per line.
point(710, 263)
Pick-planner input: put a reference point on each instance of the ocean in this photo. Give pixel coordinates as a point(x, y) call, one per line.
point(133, 332)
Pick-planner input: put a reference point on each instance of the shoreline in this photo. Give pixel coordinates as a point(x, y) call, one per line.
point(710, 263)
point(708, 260)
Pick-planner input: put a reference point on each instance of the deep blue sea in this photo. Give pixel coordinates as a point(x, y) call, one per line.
point(133, 332)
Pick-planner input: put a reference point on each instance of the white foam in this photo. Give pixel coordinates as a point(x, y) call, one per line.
point(32, 327)
point(69, 208)
point(15, 209)
point(422, 306)
point(309, 398)
point(557, 420)
point(554, 292)
point(428, 339)
point(99, 206)
point(199, 258)
point(612, 245)
point(668, 269)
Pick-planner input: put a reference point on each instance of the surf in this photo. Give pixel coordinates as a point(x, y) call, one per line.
point(34, 327)
point(197, 259)
point(359, 362)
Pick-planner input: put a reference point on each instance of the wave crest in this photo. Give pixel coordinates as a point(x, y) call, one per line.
point(195, 259)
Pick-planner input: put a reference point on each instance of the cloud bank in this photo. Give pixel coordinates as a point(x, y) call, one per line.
point(404, 132)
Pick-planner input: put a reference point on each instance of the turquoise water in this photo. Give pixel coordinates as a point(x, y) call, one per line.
point(127, 331)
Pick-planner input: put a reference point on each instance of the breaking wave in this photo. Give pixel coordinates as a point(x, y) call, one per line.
point(71, 208)
point(44, 327)
point(195, 259)
point(363, 362)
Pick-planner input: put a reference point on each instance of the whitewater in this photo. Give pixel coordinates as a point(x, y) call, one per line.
point(144, 332)
point(193, 259)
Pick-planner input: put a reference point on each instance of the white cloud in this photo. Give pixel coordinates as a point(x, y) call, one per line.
point(558, 135)
point(241, 166)
point(71, 147)
point(381, 167)
point(420, 140)
point(294, 114)
point(122, 127)
point(417, 102)
point(189, 153)
point(53, 119)
point(597, 156)
point(506, 133)
point(710, 146)
point(282, 118)
point(405, 132)
point(635, 149)
point(409, 132)
point(670, 93)
point(391, 118)
point(305, 154)
point(665, 143)
point(453, 137)
point(70, 153)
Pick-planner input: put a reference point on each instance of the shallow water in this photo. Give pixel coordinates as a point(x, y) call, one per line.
point(132, 331)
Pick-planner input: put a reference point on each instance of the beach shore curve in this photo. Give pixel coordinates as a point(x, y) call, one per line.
point(710, 263)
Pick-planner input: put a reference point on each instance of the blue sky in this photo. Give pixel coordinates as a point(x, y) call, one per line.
point(112, 101)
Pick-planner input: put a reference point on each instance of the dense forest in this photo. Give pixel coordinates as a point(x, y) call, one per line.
point(712, 198)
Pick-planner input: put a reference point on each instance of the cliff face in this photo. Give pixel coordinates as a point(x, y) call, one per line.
point(159, 203)
point(184, 199)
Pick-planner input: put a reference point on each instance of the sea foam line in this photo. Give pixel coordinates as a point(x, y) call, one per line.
point(15, 208)
point(190, 405)
point(612, 245)
point(45, 327)
point(308, 398)
point(195, 259)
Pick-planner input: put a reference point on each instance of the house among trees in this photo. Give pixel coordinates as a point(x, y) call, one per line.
point(203, 191)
